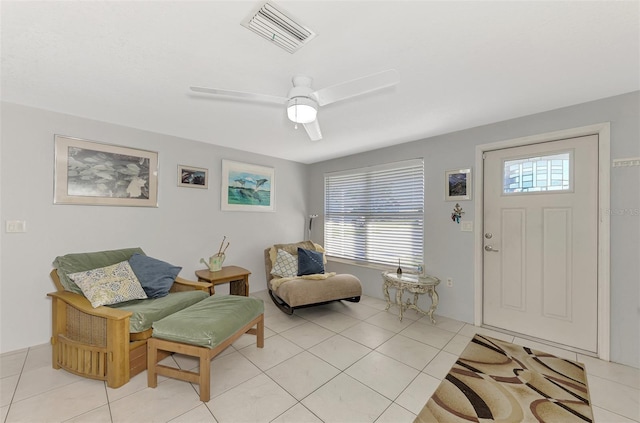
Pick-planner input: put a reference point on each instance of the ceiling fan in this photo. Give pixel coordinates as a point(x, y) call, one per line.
point(302, 101)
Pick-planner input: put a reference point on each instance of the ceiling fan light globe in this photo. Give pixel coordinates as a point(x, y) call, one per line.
point(302, 110)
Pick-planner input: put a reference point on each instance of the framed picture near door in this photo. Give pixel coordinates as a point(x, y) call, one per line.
point(457, 185)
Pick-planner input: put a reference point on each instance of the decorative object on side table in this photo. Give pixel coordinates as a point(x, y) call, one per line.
point(457, 213)
point(399, 269)
point(215, 261)
point(415, 284)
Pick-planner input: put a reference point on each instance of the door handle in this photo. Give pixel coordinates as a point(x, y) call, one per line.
point(490, 248)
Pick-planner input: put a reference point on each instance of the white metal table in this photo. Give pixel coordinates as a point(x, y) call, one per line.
point(415, 284)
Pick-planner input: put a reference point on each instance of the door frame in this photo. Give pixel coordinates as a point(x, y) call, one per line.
point(603, 130)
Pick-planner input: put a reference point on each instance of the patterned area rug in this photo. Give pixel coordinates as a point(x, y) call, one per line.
point(497, 381)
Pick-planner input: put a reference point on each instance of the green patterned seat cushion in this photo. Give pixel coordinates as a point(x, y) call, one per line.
point(79, 262)
point(209, 322)
point(145, 312)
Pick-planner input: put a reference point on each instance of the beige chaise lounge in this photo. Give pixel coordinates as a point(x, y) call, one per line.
point(297, 292)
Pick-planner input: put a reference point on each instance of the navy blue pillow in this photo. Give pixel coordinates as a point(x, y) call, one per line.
point(309, 262)
point(155, 276)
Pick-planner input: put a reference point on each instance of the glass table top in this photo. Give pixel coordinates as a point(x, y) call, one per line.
point(413, 278)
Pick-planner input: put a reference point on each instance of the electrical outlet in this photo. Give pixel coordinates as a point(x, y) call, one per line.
point(449, 282)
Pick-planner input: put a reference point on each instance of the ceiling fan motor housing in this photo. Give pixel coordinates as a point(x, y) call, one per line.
point(301, 106)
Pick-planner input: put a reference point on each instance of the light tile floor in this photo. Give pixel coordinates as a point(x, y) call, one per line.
point(341, 362)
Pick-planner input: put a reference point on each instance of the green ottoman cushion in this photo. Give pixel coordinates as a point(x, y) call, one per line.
point(210, 321)
point(147, 311)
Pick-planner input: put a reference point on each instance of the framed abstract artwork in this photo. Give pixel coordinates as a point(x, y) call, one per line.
point(93, 173)
point(247, 187)
point(458, 185)
point(193, 177)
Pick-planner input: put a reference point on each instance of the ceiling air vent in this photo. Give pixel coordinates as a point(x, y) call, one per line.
point(279, 27)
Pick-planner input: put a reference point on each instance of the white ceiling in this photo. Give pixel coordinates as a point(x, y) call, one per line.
point(461, 65)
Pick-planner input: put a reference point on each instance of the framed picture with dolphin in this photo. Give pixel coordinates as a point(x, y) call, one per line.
point(93, 173)
point(247, 187)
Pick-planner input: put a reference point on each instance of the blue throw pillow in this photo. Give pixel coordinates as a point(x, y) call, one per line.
point(309, 262)
point(155, 276)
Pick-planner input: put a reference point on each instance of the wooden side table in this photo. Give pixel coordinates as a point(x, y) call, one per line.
point(236, 276)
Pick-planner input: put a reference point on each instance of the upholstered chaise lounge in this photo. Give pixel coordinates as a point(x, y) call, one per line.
point(292, 292)
point(108, 342)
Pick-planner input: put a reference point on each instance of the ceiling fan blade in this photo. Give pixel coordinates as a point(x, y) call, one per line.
point(241, 94)
point(313, 130)
point(355, 87)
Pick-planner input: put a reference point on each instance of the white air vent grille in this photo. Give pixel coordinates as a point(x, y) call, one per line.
point(279, 27)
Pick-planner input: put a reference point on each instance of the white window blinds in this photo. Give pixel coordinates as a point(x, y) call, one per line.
point(376, 214)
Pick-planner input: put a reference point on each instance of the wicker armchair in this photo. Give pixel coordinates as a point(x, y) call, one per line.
point(96, 342)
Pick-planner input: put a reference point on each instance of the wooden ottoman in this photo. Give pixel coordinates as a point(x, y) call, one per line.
point(203, 330)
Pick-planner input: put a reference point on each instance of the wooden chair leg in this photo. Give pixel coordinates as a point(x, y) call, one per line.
point(204, 378)
point(260, 333)
point(152, 360)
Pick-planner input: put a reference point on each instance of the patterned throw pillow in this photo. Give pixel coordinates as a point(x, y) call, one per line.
point(286, 265)
point(109, 285)
point(310, 262)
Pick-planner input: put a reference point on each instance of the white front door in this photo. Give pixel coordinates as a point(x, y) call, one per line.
point(541, 241)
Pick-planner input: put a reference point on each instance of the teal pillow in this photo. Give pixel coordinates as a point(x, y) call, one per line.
point(155, 276)
point(310, 262)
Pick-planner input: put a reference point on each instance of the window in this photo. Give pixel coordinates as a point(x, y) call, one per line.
point(535, 174)
point(376, 215)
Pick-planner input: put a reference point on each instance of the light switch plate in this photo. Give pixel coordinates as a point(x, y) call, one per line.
point(16, 226)
point(466, 225)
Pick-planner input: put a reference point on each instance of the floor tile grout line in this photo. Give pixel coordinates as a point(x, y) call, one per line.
point(24, 362)
point(106, 395)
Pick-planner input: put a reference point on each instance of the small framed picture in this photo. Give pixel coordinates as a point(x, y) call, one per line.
point(193, 177)
point(457, 185)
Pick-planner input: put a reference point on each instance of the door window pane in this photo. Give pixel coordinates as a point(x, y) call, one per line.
point(536, 174)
